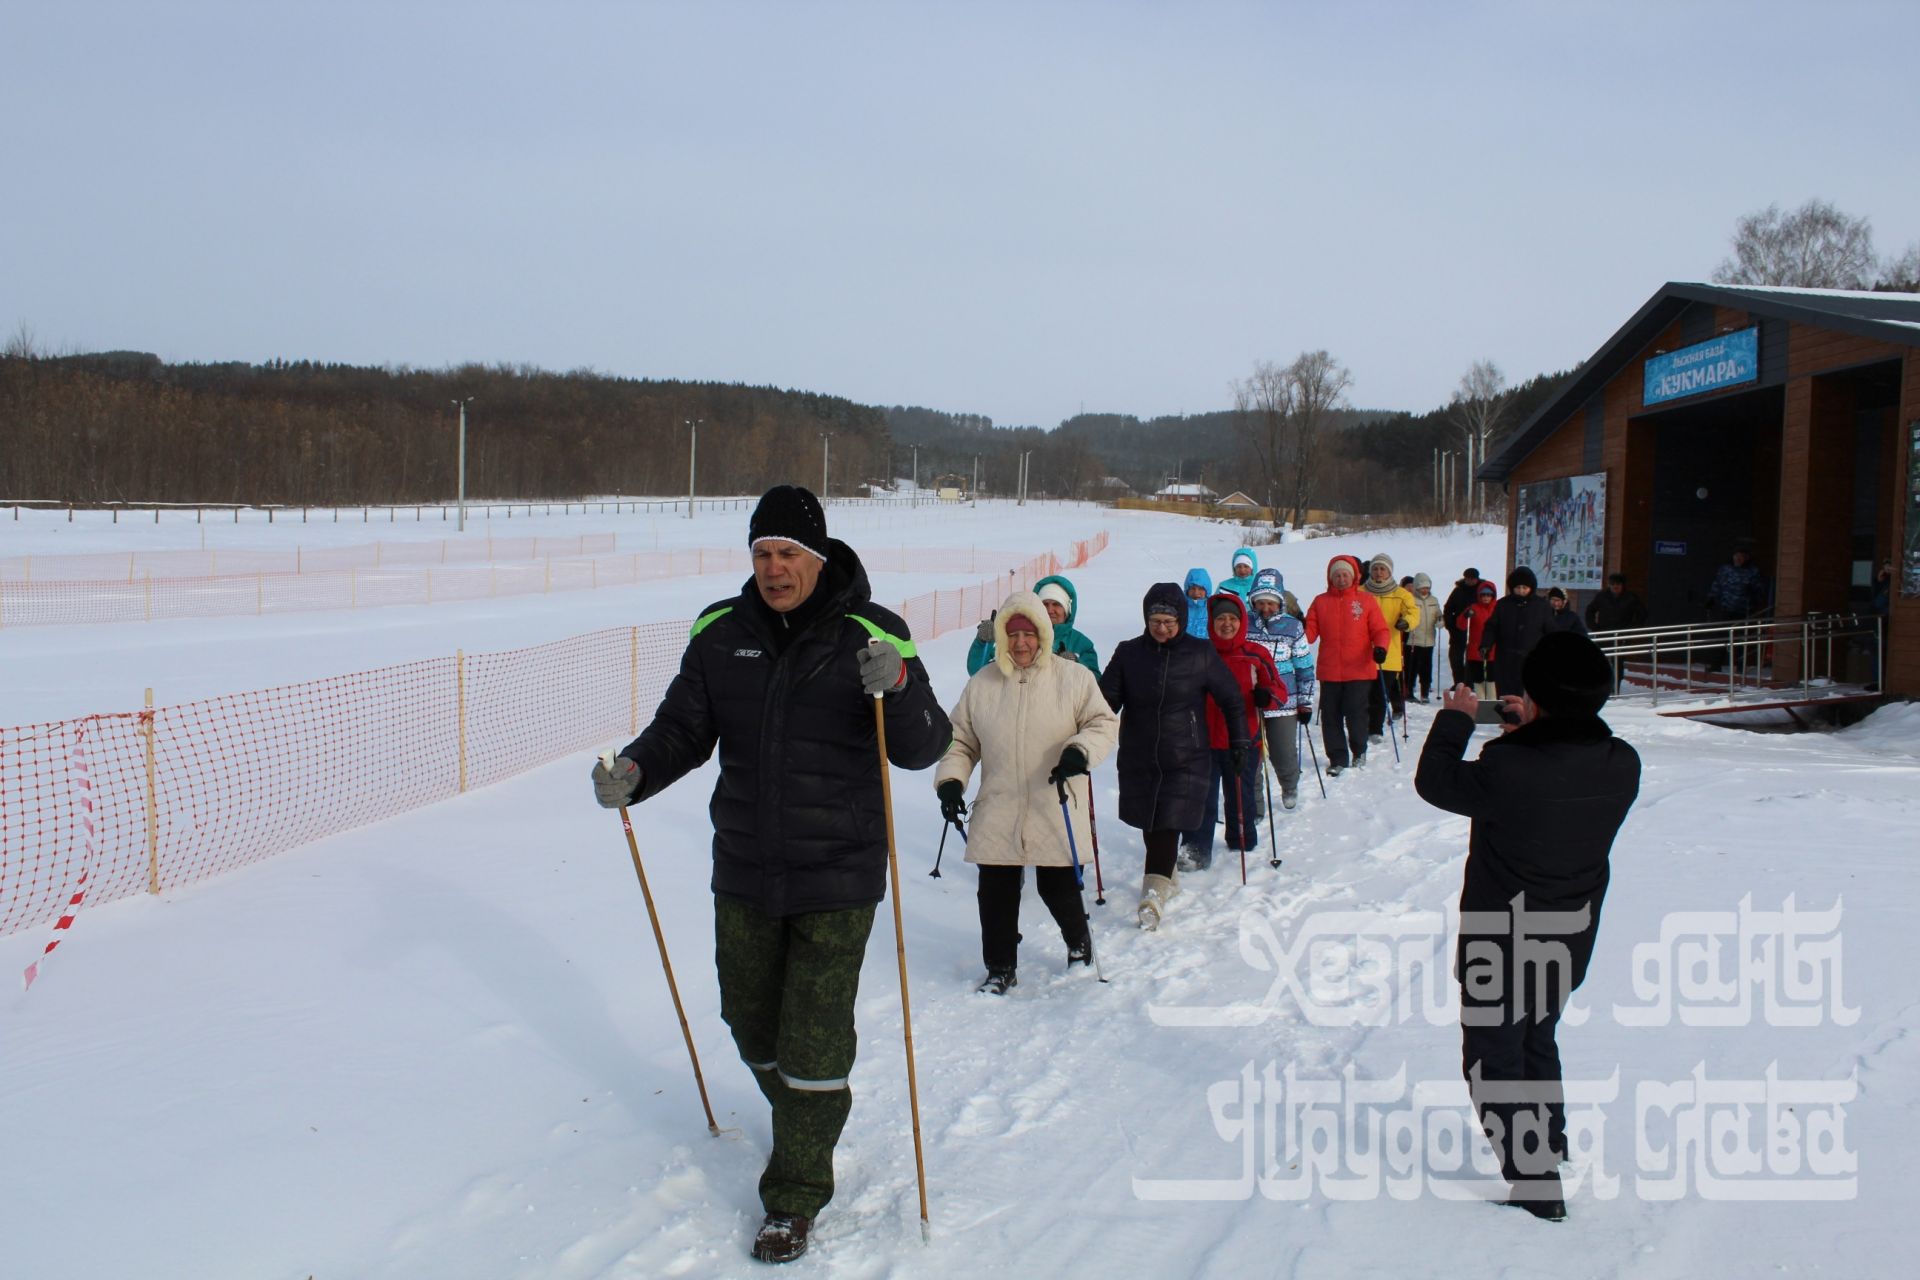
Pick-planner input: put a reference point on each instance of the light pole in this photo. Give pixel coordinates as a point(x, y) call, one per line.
point(974, 493)
point(693, 450)
point(826, 457)
point(916, 475)
point(460, 464)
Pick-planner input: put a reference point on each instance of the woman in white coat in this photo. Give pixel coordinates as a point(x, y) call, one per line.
point(1030, 720)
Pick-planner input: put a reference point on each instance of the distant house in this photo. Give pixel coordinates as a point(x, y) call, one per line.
point(1237, 501)
point(1196, 493)
point(1113, 487)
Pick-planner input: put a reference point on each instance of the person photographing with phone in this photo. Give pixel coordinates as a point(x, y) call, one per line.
point(1547, 797)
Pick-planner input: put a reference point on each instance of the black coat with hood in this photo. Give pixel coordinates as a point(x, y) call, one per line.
point(1160, 691)
point(798, 818)
point(1516, 626)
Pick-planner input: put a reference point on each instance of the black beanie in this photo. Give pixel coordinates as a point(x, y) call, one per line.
point(1164, 597)
point(1522, 576)
point(790, 512)
point(1566, 675)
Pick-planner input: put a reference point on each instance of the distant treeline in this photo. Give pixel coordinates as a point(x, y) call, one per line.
point(124, 426)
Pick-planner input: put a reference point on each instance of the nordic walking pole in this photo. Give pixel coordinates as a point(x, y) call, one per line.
point(1313, 754)
point(900, 947)
point(1093, 833)
point(1273, 840)
point(673, 989)
point(1240, 808)
point(1392, 737)
point(1079, 875)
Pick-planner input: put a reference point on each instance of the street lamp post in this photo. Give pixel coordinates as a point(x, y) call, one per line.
point(826, 457)
point(460, 465)
point(916, 476)
point(693, 451)
point(975, 492)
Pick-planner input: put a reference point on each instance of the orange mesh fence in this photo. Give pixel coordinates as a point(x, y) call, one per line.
point(183, 792)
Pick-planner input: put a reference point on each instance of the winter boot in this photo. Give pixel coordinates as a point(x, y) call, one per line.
point(1360, 760)
point(782, 1238)
point(997, 982)
point(1155, 893)
point(1289, 797)
point(1185, 860)
point(1545, 1210)
point(1080, 952)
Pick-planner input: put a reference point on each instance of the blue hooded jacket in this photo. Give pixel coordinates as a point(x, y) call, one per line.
point(1285, 638)
point(1197, 609)
point(1242, 584)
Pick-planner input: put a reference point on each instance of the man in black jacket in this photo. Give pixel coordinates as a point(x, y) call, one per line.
point(782, 679)
point(1546, 800)
point(1616, 608)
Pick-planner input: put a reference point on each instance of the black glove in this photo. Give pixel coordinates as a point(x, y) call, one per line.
point(1073, 763)
point(1379, 656)
point(1401, 624)
point(1262, 696)
point(1306, 714)
point(1237, 756)
point(953, 805)
point(615, 788)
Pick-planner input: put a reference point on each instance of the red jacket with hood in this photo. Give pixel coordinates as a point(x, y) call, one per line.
point(1252, 666)
point(1349, 627)
point(1476, 615)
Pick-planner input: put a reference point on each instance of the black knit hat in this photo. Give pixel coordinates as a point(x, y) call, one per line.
point(787, 511)
point(1566, 675)
point(1521, 577)
point(1164, 597)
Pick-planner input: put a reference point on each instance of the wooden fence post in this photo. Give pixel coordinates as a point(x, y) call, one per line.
point(153, 808)
point(460, 696)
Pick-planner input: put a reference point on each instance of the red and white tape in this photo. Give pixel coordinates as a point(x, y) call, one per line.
point(82, 780)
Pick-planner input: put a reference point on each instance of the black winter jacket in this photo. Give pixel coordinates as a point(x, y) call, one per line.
point(1459, 600)
point(1516, 626)
point(1546, 802)
point(1160, 691)
point(798, 818)
point(1608, 612)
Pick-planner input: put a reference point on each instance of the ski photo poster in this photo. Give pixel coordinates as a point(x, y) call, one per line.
point(1562, 531)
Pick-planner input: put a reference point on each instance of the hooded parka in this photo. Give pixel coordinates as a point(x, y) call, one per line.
point(1013, 724)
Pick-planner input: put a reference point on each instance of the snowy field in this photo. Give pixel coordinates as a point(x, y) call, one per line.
point(441, 1046)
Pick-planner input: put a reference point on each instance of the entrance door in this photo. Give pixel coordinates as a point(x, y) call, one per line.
point(1716, 481)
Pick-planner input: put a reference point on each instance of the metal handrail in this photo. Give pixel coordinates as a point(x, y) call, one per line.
point(1741, 644)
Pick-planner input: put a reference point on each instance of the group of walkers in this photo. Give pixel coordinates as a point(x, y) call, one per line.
point(801, 682)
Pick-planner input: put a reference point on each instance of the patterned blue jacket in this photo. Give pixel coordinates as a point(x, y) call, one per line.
point(1284, 637)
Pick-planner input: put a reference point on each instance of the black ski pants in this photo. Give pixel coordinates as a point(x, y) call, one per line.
point(999, 895)
point(1343, 719)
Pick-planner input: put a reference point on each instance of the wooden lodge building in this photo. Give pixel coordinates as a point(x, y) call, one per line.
point(1787, 419)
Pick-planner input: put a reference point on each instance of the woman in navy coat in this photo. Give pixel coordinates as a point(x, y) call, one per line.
point(1159, 683)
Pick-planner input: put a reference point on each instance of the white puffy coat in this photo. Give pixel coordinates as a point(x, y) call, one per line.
point(1014, 724)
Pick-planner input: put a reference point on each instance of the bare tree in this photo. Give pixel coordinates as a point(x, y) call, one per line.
point(21, 344)
point(1319, 388)
point(1814, 247)
point(1263, 415)
point(1902, 273)
point(1479, 408)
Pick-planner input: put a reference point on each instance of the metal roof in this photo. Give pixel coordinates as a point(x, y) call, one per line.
point(1889, 317)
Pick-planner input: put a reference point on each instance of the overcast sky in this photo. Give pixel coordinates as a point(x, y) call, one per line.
point(1011, 209)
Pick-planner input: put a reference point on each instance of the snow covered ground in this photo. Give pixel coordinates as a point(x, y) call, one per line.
point(441, 1046)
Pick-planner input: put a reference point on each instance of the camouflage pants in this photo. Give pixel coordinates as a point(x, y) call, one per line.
point(787, 988)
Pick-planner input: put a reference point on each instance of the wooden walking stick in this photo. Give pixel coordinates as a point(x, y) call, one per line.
point(900, 947)
point(673, 989)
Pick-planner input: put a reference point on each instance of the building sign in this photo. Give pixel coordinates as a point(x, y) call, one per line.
point(1562, 531)
point(1669, 548)
point(1725, 361)
point(1910, 560)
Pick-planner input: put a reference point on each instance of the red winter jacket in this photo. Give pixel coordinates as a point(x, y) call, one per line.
point(1251, 665)
point(1349, 626)
point(1477, 614)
